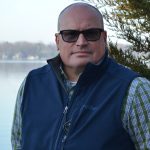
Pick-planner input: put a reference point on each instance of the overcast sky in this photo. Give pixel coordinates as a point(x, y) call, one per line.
point(30, 20)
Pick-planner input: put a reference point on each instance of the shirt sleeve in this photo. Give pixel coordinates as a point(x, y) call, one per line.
point(17, 121)
point(136, 113)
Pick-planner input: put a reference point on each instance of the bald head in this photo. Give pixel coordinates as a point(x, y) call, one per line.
point(76, 8)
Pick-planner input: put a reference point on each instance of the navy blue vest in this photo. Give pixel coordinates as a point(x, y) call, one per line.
point(91, 120)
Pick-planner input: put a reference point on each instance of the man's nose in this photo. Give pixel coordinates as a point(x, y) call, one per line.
point(81, 40)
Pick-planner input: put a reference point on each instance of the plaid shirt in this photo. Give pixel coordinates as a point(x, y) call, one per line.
point(135, 113)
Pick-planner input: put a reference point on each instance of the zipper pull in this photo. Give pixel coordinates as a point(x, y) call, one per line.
point(65, 110)
point(64, 138)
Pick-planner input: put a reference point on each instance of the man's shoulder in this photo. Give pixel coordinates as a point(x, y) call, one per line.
point(121, 71)
point(140, 83)
point(39, 71)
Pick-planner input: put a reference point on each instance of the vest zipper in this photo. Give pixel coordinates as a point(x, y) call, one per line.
point(60, 128)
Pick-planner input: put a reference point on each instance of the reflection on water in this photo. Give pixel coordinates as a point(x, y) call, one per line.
point(11, 76)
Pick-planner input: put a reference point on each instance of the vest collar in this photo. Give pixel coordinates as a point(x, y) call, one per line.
point(90, 70)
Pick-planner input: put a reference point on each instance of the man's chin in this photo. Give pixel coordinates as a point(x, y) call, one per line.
point(80, 64)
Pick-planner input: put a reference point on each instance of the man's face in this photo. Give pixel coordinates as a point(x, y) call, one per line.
point(77, 54)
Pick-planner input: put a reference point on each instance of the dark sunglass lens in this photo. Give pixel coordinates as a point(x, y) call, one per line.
point(92, 34)
point(69, 35)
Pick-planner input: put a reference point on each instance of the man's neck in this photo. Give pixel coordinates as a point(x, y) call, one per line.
point(73, 73)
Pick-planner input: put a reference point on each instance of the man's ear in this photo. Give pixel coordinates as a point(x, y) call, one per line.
point(105, 37)
point(57, 40)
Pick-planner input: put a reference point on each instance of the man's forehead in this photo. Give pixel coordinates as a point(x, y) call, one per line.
point(79, 10)
point(80, 6)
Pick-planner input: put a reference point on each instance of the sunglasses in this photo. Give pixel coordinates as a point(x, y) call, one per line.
point(92, 34)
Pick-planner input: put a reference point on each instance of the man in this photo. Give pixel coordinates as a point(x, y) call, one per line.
point(82, 99)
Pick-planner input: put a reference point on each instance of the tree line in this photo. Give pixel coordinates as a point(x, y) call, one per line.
point(26, 51)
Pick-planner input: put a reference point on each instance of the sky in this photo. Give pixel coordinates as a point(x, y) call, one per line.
point(30, 20)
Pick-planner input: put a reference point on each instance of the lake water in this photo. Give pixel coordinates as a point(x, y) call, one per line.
point(12, 74)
